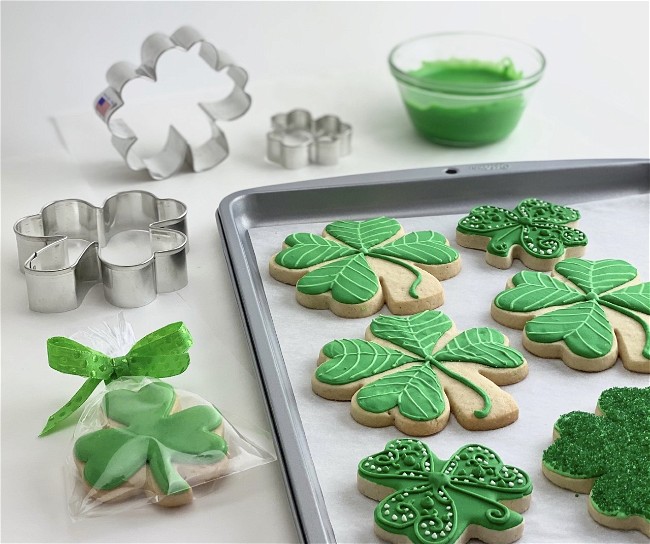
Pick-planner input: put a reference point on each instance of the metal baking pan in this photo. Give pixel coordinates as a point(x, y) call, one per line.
point(405, 193)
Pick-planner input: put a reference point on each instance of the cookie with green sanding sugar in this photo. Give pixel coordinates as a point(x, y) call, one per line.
point(587, 313)
point(538, 233)
point(413, 371)
point(151, 446)
point(357, 266)
point(607, 454)
point(428, 500)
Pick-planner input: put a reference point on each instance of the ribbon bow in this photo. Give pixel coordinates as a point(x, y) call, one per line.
point(160, 354)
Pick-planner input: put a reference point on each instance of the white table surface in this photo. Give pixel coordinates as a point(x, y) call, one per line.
point(327, 57)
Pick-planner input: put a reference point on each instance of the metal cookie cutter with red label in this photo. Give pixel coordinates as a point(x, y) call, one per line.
point(177, 151)
point(60, 251)
point(297, 140)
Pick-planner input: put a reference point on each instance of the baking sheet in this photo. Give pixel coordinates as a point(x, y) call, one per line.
point(617, 228)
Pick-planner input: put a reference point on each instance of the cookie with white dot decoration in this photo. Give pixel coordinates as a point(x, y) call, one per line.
point(538, 233)
point(426, 500)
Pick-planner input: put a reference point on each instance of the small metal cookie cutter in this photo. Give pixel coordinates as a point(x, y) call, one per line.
point(56, 285)
point(297, 140)
point(177, 149)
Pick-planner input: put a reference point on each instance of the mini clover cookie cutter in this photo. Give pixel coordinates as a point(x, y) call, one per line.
point(177, 150)
point(54, 284)
point(298, 140)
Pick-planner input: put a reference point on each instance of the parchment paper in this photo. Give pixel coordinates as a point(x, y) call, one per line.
point(617, 228)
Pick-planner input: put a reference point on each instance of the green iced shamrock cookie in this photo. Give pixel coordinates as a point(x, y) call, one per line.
point(146, 432)
point(412, 371)
point(607, 454)
point(427, 500)
point(357, 266)
point(537, 232)
point(588, 313)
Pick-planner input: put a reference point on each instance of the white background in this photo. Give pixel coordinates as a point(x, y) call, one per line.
point(327, 57)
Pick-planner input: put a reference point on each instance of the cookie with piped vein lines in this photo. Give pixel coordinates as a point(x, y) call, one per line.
point(587, 313)
point(357, 266)
point(413, 371)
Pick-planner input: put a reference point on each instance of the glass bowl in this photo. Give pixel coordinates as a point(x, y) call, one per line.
point(465, 89)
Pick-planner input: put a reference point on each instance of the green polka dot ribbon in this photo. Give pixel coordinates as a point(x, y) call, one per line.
point(160, 354)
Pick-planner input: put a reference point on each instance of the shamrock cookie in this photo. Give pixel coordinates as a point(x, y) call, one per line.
point(587, 313)
point(356, 266)
point(412, 371)
point(608, 456)
point(538, 233)
point(427, 500)
point(150, 446)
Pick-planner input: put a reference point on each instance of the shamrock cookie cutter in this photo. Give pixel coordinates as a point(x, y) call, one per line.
point(58, 283)
point(177, 150)
point(298, 140)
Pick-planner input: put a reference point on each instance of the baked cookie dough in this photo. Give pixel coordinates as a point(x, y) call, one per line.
point(357, 266)
point(413, 371)
point(538, 233)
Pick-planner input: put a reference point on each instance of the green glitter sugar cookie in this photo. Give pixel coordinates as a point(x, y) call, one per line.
point(427, 500)
point(588, 313)
point(607, 455)
point(357, 266)
point(538, 233)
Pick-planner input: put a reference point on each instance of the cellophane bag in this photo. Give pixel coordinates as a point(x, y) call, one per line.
point(142, 441)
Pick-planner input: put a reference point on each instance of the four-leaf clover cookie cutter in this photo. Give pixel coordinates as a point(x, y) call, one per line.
point(297, 140)
point(177, 151)
point(57, 283)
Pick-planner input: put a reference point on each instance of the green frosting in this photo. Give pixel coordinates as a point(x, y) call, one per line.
point(539, 227)
point(345, 271)
point(580, 320)
point(435, 501)
point(151, 435)
point(613, 448)
point(416, 389)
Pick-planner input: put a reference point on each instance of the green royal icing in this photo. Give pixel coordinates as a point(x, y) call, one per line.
point(345, 271)
point(415, 390)
point(435, 501)
point(151, 435)
point(613, 448)
point(539, 227)
point(580, 320)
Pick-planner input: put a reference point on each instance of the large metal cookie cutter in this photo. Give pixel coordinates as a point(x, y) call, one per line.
point(54, 284)
point(297, 140)
point(176, 151)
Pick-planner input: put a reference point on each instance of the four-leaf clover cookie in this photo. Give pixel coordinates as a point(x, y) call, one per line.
point(150, 446)
point(412, 371)
point(538, 233)
point(608, 456)
point(356, 266)
point(588, 313)
point(427, 500)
